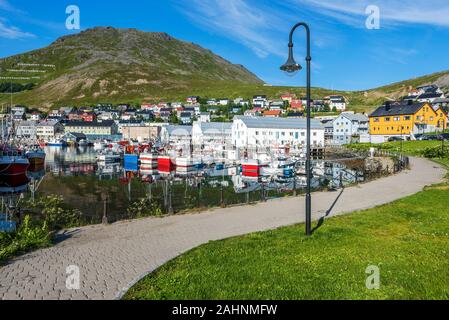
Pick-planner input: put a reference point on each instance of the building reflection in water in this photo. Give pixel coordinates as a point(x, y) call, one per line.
point(85, 183)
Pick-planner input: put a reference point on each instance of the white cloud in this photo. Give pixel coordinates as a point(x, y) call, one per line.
point(252, 24)
point(430, 12)
point(11, 32)
point(6, 6)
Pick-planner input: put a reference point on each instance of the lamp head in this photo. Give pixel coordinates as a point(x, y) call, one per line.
point(291, 67)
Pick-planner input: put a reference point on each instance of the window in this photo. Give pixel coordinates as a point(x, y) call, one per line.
point(376, 120)
point(407, 118)
point(397, 119)
point(387, 119)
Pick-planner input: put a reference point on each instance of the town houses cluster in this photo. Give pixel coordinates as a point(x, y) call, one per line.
point(240, 123)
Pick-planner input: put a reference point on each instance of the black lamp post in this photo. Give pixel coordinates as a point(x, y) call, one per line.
point(291, 66)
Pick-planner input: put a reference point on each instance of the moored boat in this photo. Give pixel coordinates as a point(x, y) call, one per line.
point(57, 143)
point(36, 156)
point(13, 164)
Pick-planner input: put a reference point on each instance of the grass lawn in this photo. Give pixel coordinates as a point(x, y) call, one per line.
point(413, 148)
point(408, 240)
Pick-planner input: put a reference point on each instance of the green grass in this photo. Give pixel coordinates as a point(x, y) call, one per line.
point(408, 240)
point(413, 148)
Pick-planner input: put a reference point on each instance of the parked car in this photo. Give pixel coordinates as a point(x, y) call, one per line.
point(395, 139)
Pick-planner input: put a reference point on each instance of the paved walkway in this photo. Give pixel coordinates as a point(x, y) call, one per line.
point(111, 258)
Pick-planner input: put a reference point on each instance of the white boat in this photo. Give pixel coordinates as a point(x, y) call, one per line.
point(188, 164)
point(100, 145)
point(57, 143)
point(36, 156)
point(109, 158)
point(149, 160)
point(281, 166)
point(83, 143)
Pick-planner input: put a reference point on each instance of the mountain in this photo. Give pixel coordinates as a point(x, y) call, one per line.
point(111, 65)
point(108, 64)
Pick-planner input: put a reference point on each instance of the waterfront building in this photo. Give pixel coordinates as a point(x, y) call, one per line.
point(124, 125)
point(49, 129)
point(92, 129)
point(252, 132)
point(176, 135)
point(350, 126)
point(211, 134)
point(405, 120)
point(142, 133)
point(328, 131)
point(26, 129)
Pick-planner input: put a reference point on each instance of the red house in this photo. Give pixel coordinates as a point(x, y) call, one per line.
point(88, 117)
point(296, 104)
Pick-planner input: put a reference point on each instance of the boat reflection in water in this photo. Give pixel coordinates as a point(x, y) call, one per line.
point(85, 182)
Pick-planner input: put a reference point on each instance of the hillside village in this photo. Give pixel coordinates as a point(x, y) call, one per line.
point(423, 110)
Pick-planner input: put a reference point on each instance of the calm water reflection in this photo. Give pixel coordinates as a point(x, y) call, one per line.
point(86, 185)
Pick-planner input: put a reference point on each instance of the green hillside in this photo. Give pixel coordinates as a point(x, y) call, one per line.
point(111, 65)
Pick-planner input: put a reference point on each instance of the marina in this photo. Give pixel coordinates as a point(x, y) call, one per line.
point(101, 182)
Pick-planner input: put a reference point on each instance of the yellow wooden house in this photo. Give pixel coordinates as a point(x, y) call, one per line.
point(405, 119)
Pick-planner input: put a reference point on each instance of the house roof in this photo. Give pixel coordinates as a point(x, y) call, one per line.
point(398, 109)
point(106, 123)
point(355, 117)
point(179, 130)
point(278, 123)
point(272, 113)
point(214, 127)
point(441, 100)
point(430, 95)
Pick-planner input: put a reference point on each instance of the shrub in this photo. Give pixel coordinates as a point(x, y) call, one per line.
point(55, 214)
point(144, 208)
point(27, 237)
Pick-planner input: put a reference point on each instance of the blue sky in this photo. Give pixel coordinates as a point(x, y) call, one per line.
point(412, 39)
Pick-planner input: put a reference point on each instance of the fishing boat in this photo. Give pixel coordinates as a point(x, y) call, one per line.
point(148, 161)
point(165, 164)
point(281, 166)
point(108, 157)
point(252, 168)
point(188, 164)
point(100, 145)
point(12, 163)
point(36, 156)
point(58, 143)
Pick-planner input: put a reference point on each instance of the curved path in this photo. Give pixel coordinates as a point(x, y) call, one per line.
point(111, 258)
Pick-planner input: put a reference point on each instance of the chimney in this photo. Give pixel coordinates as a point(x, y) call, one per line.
point(387, 106)
point(410, 102)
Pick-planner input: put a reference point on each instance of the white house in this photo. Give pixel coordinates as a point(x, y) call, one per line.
point(223, 102)
point(349, 125)
point(251, 132)
point(337, 102)
point(430, 97)
point(260, 101)
point(49, 129)
point(204, 117)
point(26, 129)
point(241, 102)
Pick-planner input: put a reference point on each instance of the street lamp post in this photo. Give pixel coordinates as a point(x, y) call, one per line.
point(291, 66)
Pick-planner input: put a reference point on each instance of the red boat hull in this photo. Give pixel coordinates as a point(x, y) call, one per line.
point(13, 169)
